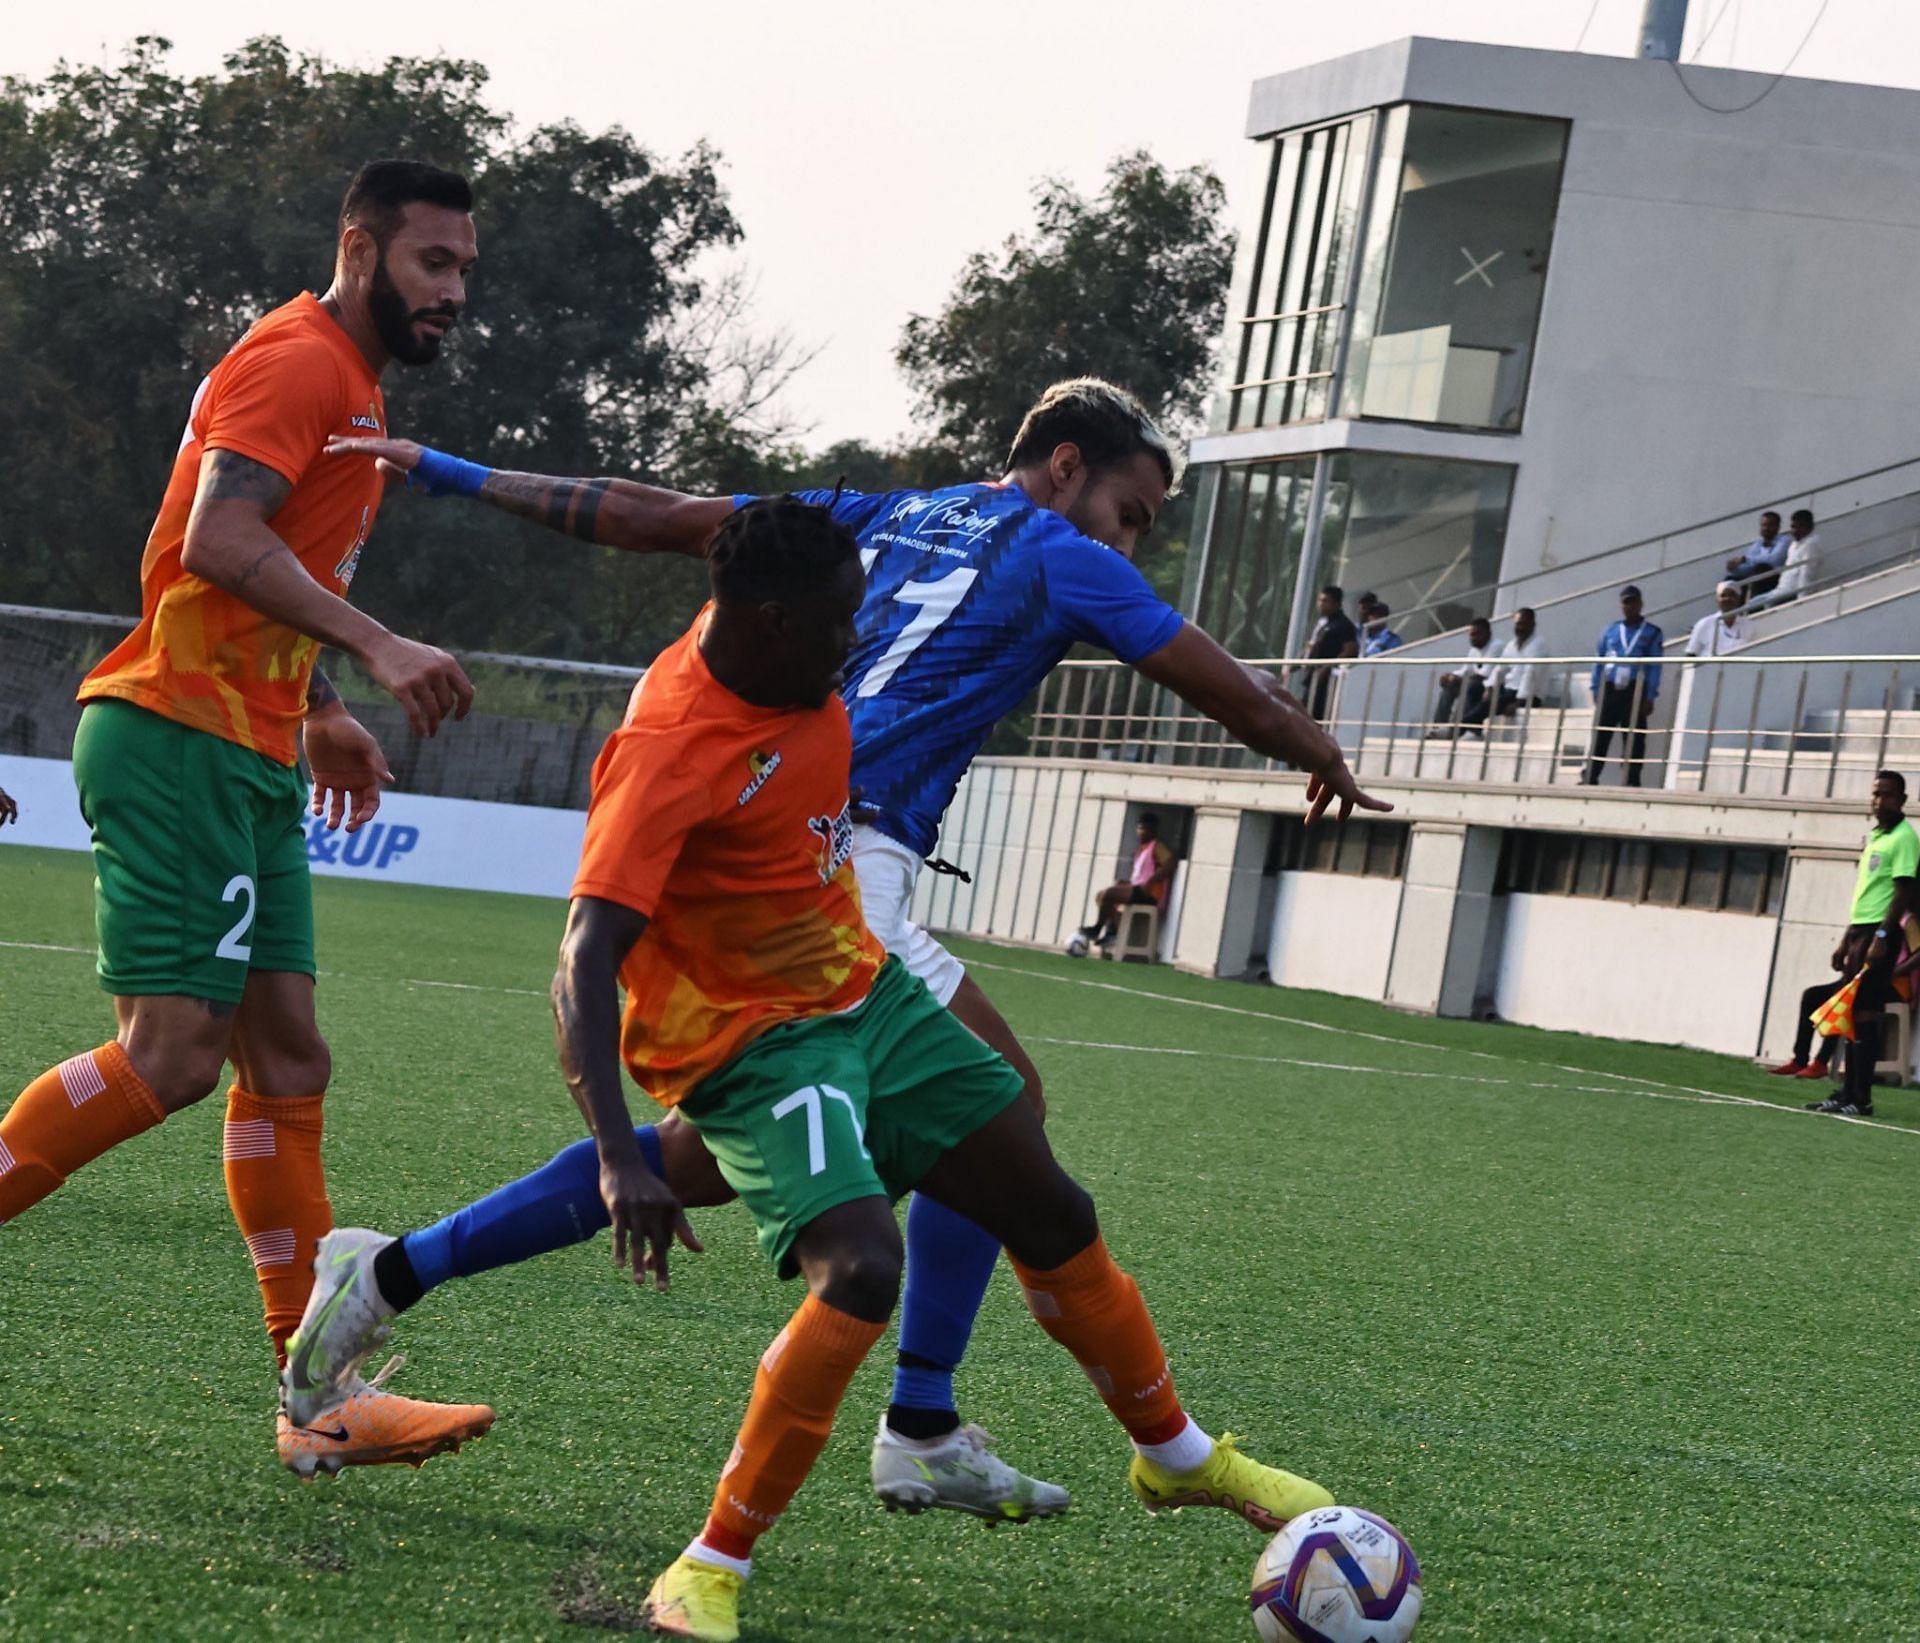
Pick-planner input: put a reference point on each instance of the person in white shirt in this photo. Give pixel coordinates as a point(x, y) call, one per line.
point(1727, 629)
point(1513, 686)
point(1467, 689)
point(1796, 571)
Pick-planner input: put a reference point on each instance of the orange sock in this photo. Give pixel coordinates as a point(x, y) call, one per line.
point(800, 1383)
point(278, 1191)
point(1094, 1310)
point(67, 1117)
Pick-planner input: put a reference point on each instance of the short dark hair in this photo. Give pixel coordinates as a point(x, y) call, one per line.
point(1334, 592)
point(1150, 818)
point(1769, 513)
point(1380, 607)
point(1899, 781)
point(1107, 423)
point(777, 549)
point(382, 189)
point(1479, 622)
point(1800, 514)
point(1526, 610)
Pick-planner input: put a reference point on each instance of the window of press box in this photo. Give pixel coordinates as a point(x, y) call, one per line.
point(1364, 849)
point(1712, 878)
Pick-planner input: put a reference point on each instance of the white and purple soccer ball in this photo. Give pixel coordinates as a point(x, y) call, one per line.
point(1338, 1575)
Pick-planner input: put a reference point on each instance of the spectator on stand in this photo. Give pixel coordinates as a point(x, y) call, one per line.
point(9, 811)
point(1465, 693)
point(1513, 680)
point(1145, 886)
point(1626, 682)
point(1883, 900)
point(1757, 566)
point(1803, 546)
point(1376, 637)
point(1726, 629)
point(1334, 636)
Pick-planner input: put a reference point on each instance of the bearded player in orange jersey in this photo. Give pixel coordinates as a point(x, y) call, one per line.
point(187, 764)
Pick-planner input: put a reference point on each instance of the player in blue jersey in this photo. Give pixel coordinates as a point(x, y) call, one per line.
point(974, 592)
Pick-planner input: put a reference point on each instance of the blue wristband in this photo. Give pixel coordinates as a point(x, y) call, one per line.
point(438, 474)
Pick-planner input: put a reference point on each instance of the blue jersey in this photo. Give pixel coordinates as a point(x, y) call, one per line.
point(973, 594)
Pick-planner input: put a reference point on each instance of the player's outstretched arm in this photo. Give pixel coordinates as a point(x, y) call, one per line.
point(1259, 711)
point(615, 513)
point(230, 543)
point(586, 1018)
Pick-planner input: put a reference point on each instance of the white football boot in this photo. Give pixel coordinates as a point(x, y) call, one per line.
point(346, 1322)
point(961, 1473)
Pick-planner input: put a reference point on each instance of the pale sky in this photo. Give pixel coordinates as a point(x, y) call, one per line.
point(871, 146)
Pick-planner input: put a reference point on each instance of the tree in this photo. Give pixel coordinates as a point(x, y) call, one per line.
point(146, 219)
point(1130, 285)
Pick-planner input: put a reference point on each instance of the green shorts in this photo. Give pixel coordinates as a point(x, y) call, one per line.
point(199, 856)
point(820, 1112)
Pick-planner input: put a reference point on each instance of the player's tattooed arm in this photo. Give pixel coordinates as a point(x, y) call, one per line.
point(645, 1215)
point(321, 692)
point(616, 513)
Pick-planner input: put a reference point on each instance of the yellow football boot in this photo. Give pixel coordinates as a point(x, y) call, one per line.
point(1265, 1496)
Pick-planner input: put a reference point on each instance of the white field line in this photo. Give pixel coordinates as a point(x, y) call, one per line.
point(1704, 1098)
point(1652, 1088)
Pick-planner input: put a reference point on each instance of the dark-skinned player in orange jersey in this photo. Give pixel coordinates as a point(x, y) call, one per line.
point(716, 884)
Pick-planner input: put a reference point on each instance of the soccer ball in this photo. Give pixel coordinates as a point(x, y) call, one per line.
point(1077, 948)
point(1338, 1575)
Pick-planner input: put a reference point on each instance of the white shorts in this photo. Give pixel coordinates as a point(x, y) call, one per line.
point(888, 871)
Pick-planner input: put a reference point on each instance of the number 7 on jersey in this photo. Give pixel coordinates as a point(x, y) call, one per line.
point(937, 600)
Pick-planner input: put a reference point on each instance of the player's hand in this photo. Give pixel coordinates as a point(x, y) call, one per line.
point(347, 767)
point(1333, 782)
point(646, 1218)
point(395, 458)
point(424, 680)
point(9, 811)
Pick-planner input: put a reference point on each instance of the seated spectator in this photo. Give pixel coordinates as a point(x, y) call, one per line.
point(1334, 636)
point(1375, 635)
point(1757, 566)
point(1463, 704)
point(1803, 545)
point(1145, 886)
point(1513, 685)
point(1726, 629)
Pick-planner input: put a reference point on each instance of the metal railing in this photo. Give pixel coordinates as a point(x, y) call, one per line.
point(1812, 728)
point(1697, 546)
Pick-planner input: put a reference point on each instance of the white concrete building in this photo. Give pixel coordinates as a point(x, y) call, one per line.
point(1499, 310)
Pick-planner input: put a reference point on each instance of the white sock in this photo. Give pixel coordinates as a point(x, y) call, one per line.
point(1186, 1453)
point(701, 1552)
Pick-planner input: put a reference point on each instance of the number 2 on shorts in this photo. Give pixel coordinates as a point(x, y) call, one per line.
point(234, 943)
point(808, 1101)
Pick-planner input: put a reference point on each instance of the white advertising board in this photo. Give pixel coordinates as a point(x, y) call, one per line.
point(459, 844)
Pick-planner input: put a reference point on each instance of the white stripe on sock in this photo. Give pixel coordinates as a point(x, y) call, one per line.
point(1179, 1455)
point(247, 1138)
point(80, 1078)
point(6, 1158)
point(271, 1248)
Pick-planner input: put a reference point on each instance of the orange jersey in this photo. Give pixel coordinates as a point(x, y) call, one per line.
point(727, 825)
point(201, 656)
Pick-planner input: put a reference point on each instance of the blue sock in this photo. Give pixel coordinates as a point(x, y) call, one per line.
point(949, 1265)
point(557, 1205)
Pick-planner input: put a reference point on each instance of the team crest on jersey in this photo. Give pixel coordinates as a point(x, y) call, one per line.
point(759, 767)
point(350, 561)
point(834, 836)
point(371, 421)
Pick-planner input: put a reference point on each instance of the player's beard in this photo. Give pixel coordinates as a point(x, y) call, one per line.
point(394, 321)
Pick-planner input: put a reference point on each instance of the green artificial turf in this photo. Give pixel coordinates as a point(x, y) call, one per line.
point(1621, 1358)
